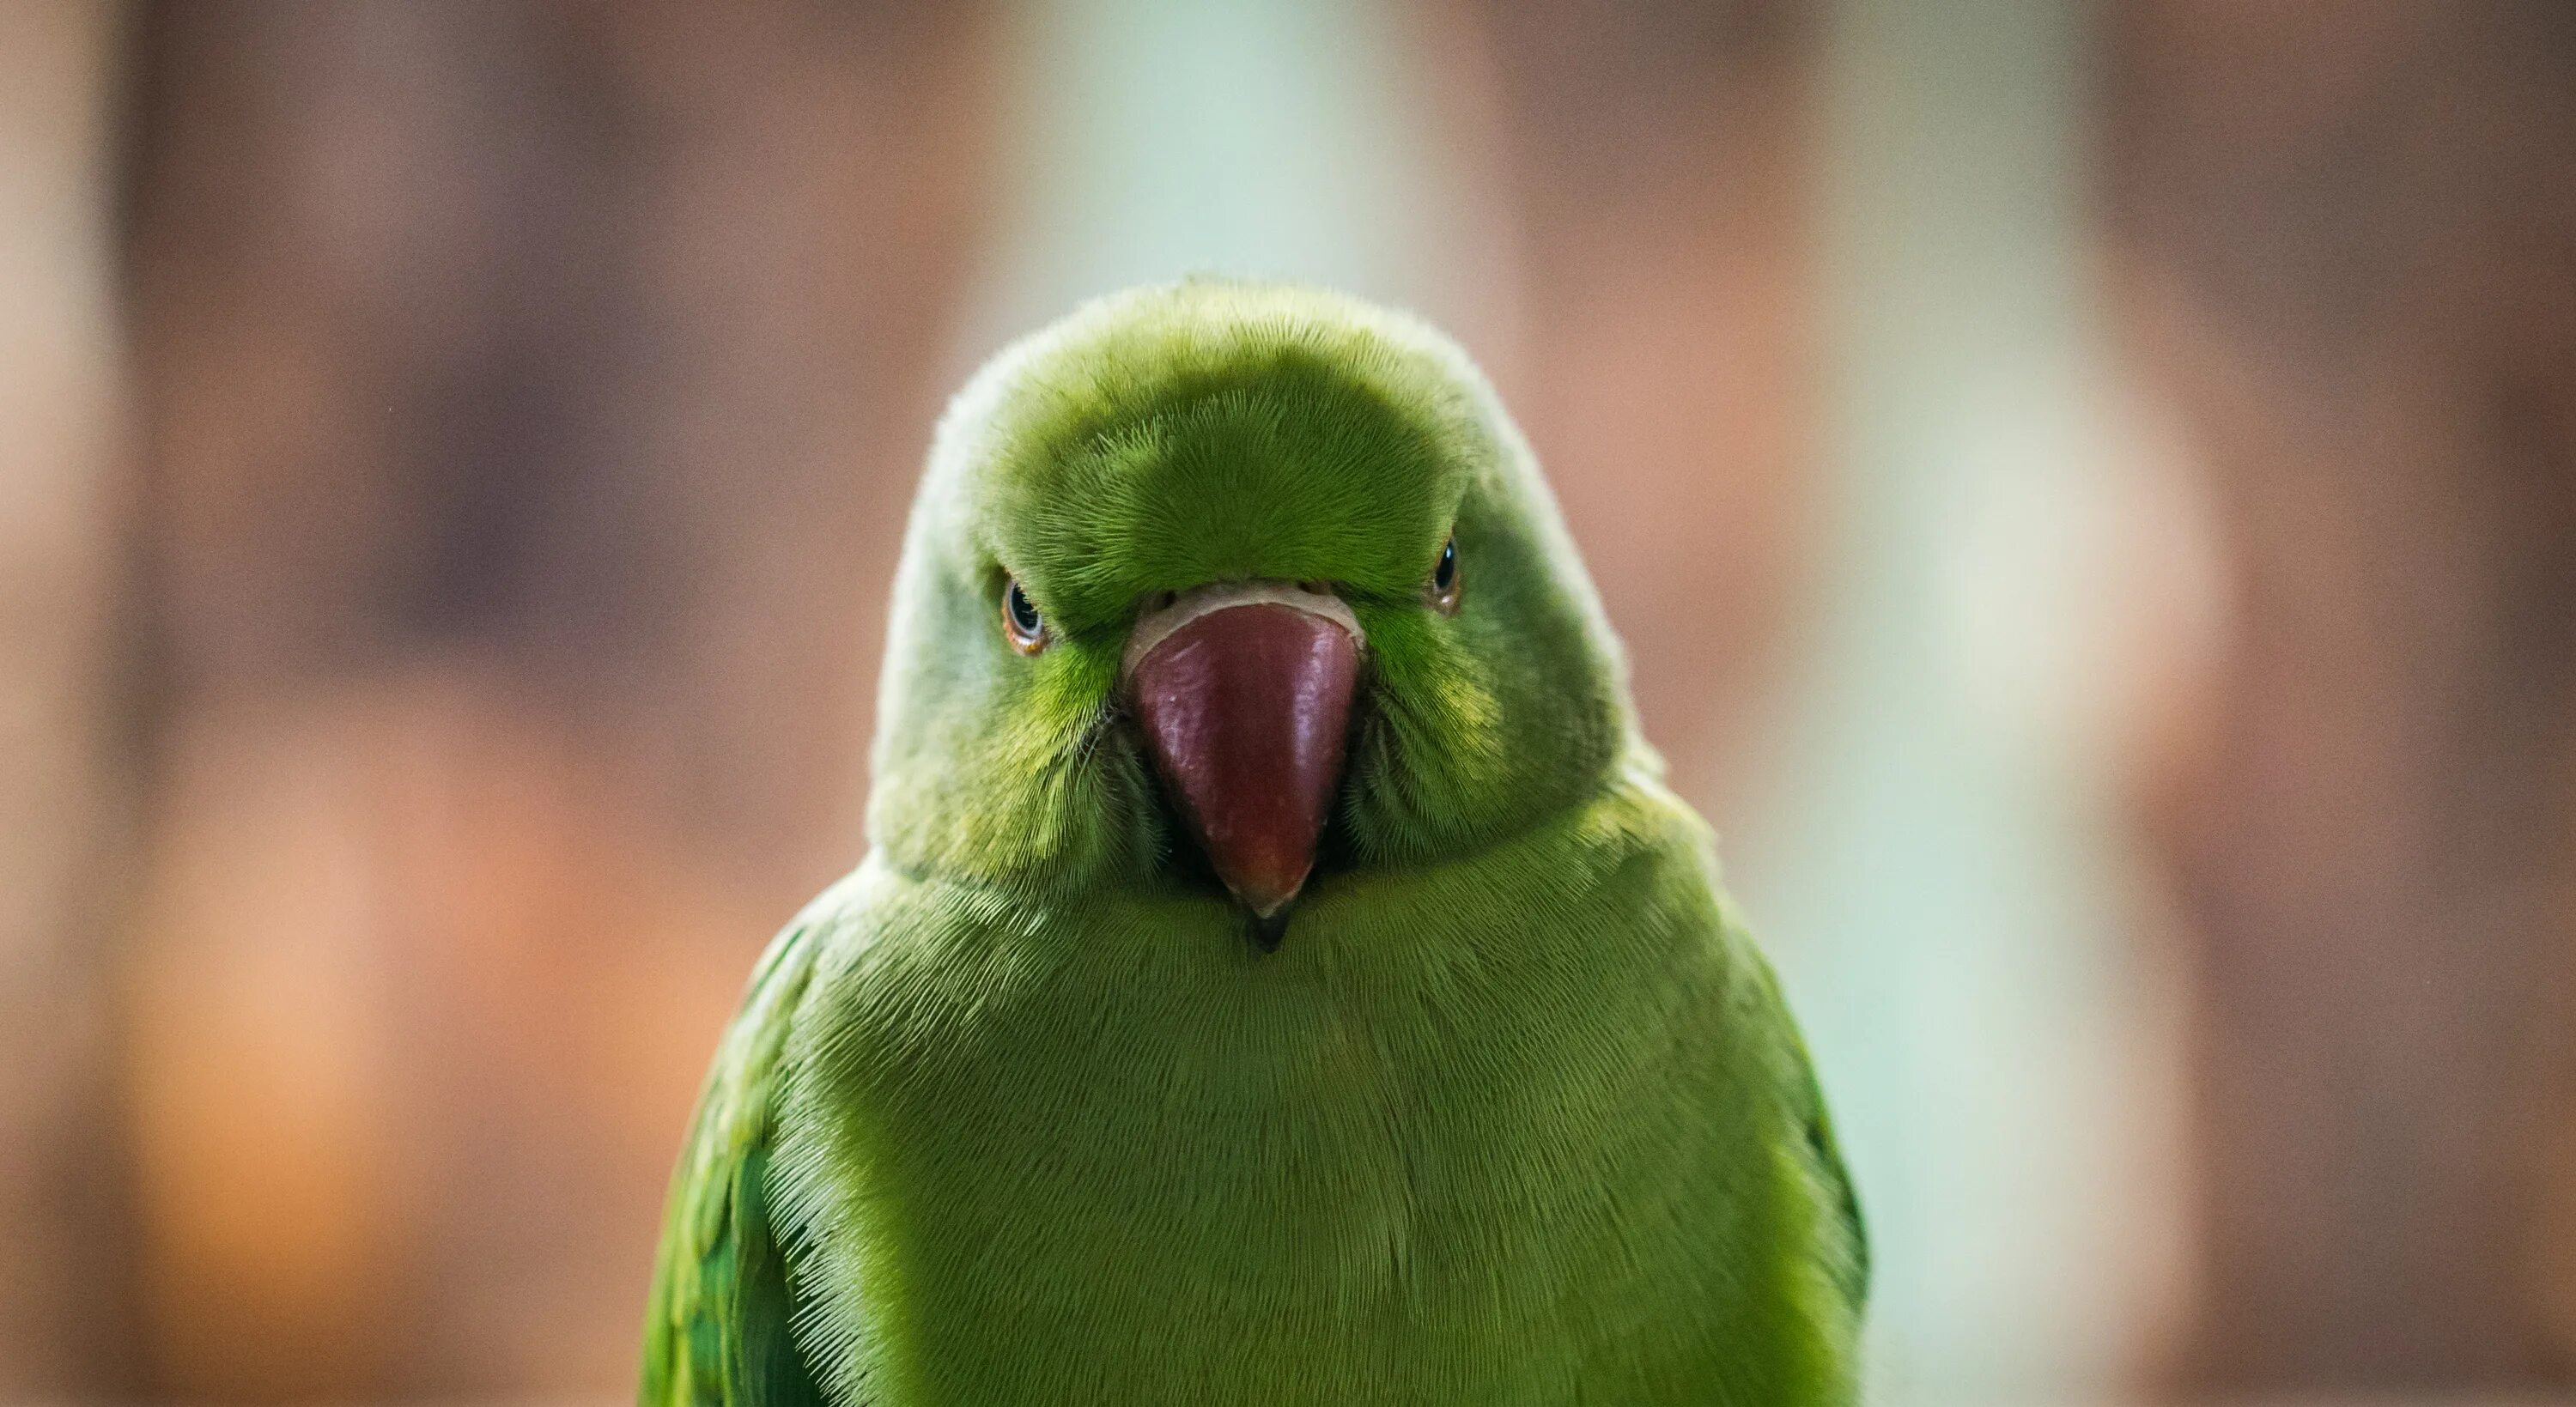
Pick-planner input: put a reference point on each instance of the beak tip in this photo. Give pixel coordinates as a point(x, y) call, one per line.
point(1269, 931)
point(1266, 883)
point(1265, 907)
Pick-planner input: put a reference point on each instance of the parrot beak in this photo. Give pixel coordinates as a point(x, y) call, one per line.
point(1243, 691)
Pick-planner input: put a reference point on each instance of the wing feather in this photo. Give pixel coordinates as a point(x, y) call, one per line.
point(718, 1330)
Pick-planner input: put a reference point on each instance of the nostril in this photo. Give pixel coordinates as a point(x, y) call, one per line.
point(1166, 599)
point(1320, 588)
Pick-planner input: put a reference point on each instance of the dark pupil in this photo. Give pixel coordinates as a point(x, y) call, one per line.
point(1023, 614)
point(1447, 571)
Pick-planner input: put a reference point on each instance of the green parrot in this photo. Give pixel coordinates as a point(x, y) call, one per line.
point(1280, 975)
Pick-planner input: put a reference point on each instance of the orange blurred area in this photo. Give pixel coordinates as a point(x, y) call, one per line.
point(2089, 492)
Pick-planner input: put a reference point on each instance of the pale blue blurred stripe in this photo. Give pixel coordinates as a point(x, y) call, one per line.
point(1942, 872)
point(1260, 138)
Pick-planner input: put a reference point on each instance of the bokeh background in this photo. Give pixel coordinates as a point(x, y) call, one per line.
point(2090, 489)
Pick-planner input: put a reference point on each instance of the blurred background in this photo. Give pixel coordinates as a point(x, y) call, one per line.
point(2089, 488)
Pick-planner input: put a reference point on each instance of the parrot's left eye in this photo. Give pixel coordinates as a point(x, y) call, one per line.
point(1020, 619)
point(1444, 579)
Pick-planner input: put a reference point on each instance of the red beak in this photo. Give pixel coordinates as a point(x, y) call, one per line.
point(1246, 708)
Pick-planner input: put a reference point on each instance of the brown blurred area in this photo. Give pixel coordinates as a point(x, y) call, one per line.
point(458, 452)
point(2346, 239)
point(527, 396)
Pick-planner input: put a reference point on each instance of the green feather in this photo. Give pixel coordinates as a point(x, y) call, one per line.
point(1514, 1114)
point(719, 1328)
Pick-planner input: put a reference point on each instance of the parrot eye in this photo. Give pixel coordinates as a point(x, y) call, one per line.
point(1020, 619)
point(1444, 579)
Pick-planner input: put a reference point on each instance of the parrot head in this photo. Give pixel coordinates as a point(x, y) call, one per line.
point(1230, 592)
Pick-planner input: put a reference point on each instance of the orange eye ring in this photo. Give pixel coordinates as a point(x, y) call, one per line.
point(1020, 619)
point(1443, 590)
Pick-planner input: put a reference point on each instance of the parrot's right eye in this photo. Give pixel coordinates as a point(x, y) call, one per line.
point(1020, 619)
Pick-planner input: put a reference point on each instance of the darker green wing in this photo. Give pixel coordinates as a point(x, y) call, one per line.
point(718, 1331)
point(1805, 1099)
point(1837, 1178)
